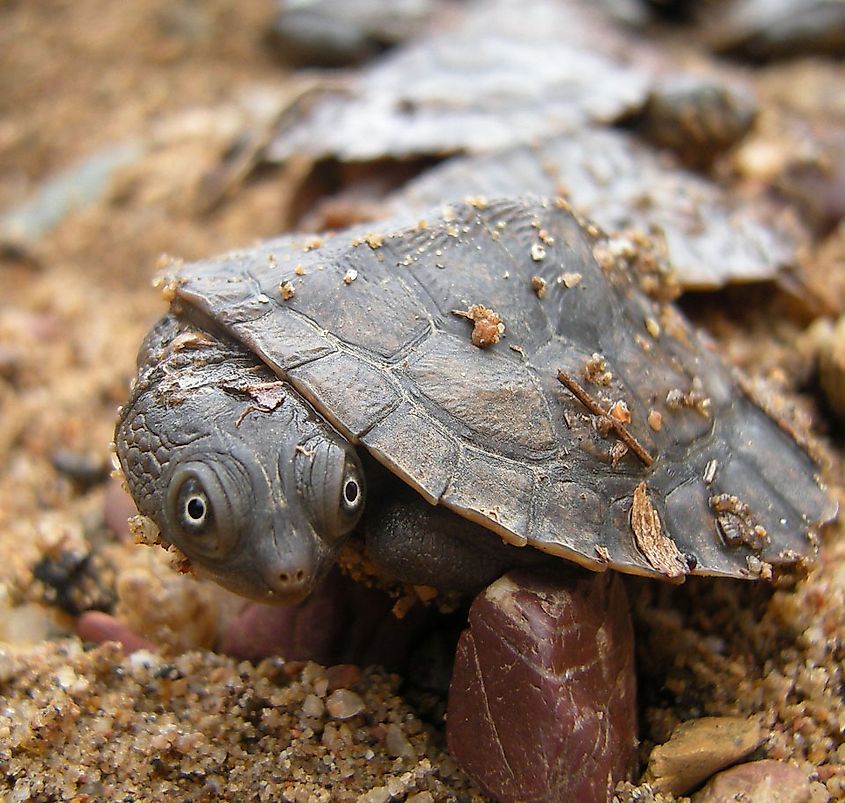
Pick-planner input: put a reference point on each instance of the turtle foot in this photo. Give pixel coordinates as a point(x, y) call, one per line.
point(542, 704)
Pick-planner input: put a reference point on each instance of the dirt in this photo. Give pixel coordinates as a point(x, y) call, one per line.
point(186, 80)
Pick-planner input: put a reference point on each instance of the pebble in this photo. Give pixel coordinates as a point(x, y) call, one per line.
point(342, 676)
point(341, 623)
point(29, 623)
point(397, 743)
point(344, 704)
point(99, 627)
point(313, 706)
point(528, 672)
point(768, 780)
point(697, 749)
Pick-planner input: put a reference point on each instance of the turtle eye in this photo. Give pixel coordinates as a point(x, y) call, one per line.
point(352, 493)
point(193, 507)
point(331, 483)
point(202, 505)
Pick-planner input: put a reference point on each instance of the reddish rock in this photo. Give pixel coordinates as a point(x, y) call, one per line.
point(341, 622)
point(117, 508)
point(769, 780)
point(542, 703)
point(98, 627)
point(342, 676)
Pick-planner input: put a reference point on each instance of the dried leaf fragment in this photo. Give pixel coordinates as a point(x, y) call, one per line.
point(487, 325)
point(659, 549)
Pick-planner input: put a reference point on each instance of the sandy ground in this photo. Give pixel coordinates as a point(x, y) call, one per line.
point(176, 83)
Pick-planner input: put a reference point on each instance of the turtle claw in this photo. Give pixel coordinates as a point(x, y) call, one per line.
point(542, 702)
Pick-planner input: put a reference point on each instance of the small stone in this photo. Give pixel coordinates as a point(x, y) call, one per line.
point(538, 253)
point(420, 797)
point(344, 704)
point(70, 681)
point(287, 290)
point(350, 276)
point(655, 420)
point(313, 706)
point(99, 627)
point(652, 327)
point(343, 676)
point(570, 280)
point(381, 794)
point(769, 780)
point(24, 624)
point(397, 743)
point(697, 749)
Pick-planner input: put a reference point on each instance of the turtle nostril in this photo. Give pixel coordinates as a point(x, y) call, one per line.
point(291, 581)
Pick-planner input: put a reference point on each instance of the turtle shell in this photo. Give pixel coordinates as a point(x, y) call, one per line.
point(599, 427)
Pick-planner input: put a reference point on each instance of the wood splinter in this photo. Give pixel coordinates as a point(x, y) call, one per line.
point(622, 432)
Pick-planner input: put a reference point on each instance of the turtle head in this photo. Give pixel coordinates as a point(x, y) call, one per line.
point(260, 497)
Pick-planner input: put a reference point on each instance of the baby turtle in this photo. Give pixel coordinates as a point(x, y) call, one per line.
point(501, 361)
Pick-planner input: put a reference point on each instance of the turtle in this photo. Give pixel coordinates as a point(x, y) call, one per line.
point(495, 391)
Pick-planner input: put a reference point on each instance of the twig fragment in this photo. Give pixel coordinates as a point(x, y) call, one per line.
point(622, 432)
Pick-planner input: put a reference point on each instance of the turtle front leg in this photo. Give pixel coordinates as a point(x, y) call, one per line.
point(415, 542)
point(542, 704)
